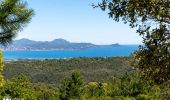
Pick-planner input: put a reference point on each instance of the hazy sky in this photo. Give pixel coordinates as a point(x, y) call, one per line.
point(75, 21)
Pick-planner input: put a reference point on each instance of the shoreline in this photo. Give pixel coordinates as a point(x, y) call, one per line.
point(42, 59)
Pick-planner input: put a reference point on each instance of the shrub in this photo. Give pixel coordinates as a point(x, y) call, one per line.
point(19, 88)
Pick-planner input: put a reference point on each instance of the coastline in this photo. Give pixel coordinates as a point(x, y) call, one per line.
point(42, 59)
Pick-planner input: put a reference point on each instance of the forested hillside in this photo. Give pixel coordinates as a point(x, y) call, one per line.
point(95, 79)
point(53, 71)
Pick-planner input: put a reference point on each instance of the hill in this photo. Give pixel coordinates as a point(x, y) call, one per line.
point(57, 44)
point(53, 71)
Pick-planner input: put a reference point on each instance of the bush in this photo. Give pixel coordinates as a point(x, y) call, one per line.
point(19, 88)
point(96, 89)
point(46, 91)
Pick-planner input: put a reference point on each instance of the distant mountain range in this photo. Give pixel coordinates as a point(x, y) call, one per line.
point(57, 44)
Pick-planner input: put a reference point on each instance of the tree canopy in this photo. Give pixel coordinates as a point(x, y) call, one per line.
point(138, 12)
point(14, 15)
point(152, 18)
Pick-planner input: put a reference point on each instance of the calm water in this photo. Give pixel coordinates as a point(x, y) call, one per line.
point(107, 51)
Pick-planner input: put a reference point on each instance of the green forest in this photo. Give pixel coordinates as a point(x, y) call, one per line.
point(79, 79)
point(53, 71)
point(145, 75)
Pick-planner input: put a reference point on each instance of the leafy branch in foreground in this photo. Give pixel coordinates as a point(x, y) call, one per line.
point(152, 17)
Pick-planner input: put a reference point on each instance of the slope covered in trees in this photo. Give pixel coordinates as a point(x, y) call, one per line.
point(73, 87)
point(53, 71)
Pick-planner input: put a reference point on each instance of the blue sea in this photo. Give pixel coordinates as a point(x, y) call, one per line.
point(106, 51)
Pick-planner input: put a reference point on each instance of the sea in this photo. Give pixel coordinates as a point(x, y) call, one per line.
point(103, 51)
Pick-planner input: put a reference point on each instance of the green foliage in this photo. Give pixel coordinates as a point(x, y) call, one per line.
point(127, 87)
point(97, 89)
point(153, 58)
point(46, 91)
point(100, 98)
point(2, 81)
point(91, 88)
point(20, 88)
point(54, 71)
point(130, 85)
point(152, 17)
point(72, 87)
point(1, 69)
point(14, 15)
point(137, 12)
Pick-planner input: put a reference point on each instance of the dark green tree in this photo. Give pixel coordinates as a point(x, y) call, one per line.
point(72, 87)
point(14, 15)
point(152, 17)
point(153, 58)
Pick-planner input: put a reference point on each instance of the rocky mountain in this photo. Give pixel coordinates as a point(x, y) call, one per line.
point(57, 44)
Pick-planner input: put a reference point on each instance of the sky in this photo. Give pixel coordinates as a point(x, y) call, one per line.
point(75, 21)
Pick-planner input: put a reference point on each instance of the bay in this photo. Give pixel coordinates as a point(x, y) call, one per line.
point(103, 51)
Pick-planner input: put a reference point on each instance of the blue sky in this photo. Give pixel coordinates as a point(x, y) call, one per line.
point(75, 21)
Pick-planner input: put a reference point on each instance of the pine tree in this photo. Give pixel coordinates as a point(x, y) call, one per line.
point(14, 15)
point(72, 87)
